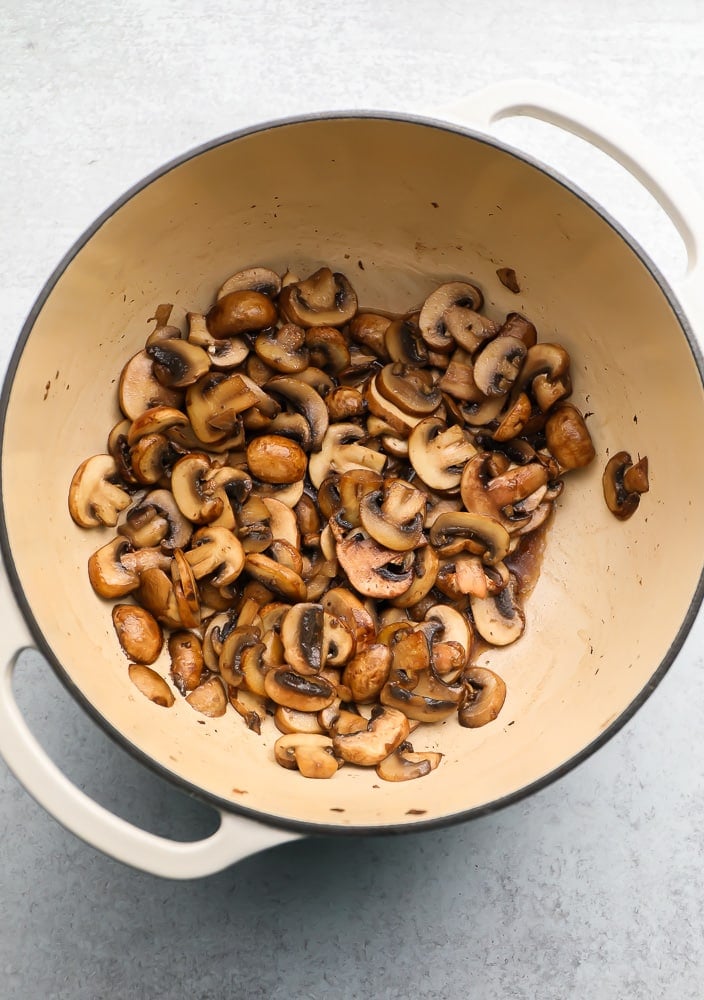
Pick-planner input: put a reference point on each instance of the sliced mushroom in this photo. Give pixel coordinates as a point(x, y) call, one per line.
point(209, 698)
point(307, 401)
point(386, 730)
point(366, 674)
point(343, 604)
point(275, 459)
point(517, 325)
point(252, 279)
point(432, 315)
point(178, 363)
point(465, 531)
point(276, 577)
point(305, 694)
point(223, 354)
point(214, 403)
point(485, 696)
point(253, 525)
point(328, 349)
point(185, 591)
point(190, 490)
point(404, 764)
point(545, 374)
point(369, 329)
point(144, 526)
point(186, 653)
point(232, 650)
point(283, 349)
point(138, 632)
point(106, 572)
point(151, 459)
point(216, 552)
point(498, 365)
point(353, 486)
point(94, 498)
point(404, 343)
point(515, 420)
point(396, 418)
point(323, 299)
point(151, 684)
point(439, 453)
point(623, 483)
point(468, 329)
point(498, 618)
point(282, 522)
point(410, 389)
point(341, 452)
point(180, 528)
point(394, 515)
point(455, 628)
point(139, 389)
point(458, 379)
point(422, 708)
point(425, 571)
point(567, 437)
point(302, 637)
point(156, 420)
point(373, 570)
point(311, 754)
point(345, 403)
point(288, 720)
point(239, 312)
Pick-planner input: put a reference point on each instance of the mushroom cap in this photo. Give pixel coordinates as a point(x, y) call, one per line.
point(323, 299)
point(385, 730)
point(568, 438)
point(252, 279)
point(431, 320)
point(486, 693)
point(371, 569)
point(306, 694)
point(283, 349)
point(93, 497)
point(178, 363)
point(478, 533)
point(240, 311)
point(412, 390)
point(276, 459)
point(310, 753)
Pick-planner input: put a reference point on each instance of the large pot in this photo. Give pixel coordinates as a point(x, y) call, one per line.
point(418, 202)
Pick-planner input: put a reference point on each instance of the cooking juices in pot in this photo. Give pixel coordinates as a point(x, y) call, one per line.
point(329, 511)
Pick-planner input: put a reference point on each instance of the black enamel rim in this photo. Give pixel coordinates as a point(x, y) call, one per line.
point(43, 644)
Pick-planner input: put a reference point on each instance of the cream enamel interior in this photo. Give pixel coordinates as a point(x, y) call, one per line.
point(399, 206)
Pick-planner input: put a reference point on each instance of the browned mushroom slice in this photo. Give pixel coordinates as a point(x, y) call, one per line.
point(307, 401)
point(305, 694)
point(425, 571)
point(346, 606)
point(420, 707)
point(507, 277)
point(497, 366)
point(366, 674)
point(432, 315)
point(302, 637)
point(353, 486)
point(465, 531)
point(241, 311)
point(190, 489)
point(394, 515)
point(147, 558)
point(285, 349)
point(545, 374)
point(138, 632)
point(232, 650)
point(163, 329)
point(288, 720)
point(156, 594)
point(180, 528)
point(251, 717)
point(214, 402)
point(223, 353)
point(178, 363)
point(108, 576)
point(410, 389)
point(623, 483)
point(323, 299)
point(345, 403)
point(517, 325)
point(481, 412)
point(151, 684)
point(458, 378)
point(498, 618)
point(185, 591)
point(94, 498)
point(216, 552)
point(386, 730)
point(455, 628)
point(282, 522)
point(253, 525)
point(144, 526)
point(139, 389)
point(252, 279)
point(278, 578)
point(309, 753)
point(186, 652)
point(275, 459)
point(328, 349)
point(468, 329)
point(369, 329)
point(438, 453)
point(254, 668)
point(341, 451)
point(515, 420)
point(485, 696)
point(397, 419)
point(373, 570)
point(209, 698)
point(404, 764)
point(567, 437)
point(151, 459)
point(404, 343)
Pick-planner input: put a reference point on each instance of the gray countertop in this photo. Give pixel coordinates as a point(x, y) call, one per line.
point(591, 888)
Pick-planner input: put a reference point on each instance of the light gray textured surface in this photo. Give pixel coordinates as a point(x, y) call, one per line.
point(594, 887)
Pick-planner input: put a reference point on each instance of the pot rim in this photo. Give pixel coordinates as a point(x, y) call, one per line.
point(42, 644)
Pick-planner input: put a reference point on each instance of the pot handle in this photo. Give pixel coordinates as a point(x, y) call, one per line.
point(236, 838)
point(575, 114)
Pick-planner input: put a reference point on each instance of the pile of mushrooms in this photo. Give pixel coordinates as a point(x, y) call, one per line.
point(323, 510)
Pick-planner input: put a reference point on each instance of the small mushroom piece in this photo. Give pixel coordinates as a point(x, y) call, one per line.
point(310, 753)
point(94, 498)
point(404, 765)
point(477, 533)
point(275, 459)
point(151, 684)
point(253, 525)
point(498, 618)
point(282, 522)
point(369, 329)
point(223, 354)
point(190, 489)
point(432, 315)
point(252, 279)
point(439, 453)
point(623, 483)
point(468, 329)
point(156, 420)
point(455, 628)
point(216, 552)
point(323, 299)
point(425, 571)
point(397, 419)
point(412, 390)
point(254, 668)
point(251, 717)
point(345, 403)
point(283, 349)
point(498, 365)
point(140, 390)
point(238, 312)
point(386, 730)
point(517, 325)
point(209, 698)
point(138, 632)
point(186, 652)
point(366, 674)
point(232, 650)
point(148, 558)
point(144, 526)
point(422, 708)
point(567, 437)
point(516, 418)
point(108, 576)
point(180, 528)
point(394, 515)
point(458, 379)
point(305, 694)
point(328, 349)
point(507, 277)
point(178, 363)
point(404, 343)
point(214, 402)
point(185, 591)
point(353, 486)
point(151, 459)
point(307, 400)
point(156, 594)
point(484, 699)
point(371, 569)
point(288, 720)
point(276, 577)
point(302, 637)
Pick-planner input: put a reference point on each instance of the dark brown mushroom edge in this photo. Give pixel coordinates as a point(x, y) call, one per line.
point(323, 514)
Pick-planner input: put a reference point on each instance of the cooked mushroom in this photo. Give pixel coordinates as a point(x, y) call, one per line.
point(252, 279)
point(108, 576)
point(404, 764)
point(139, 389)
point(515, 420)
point(369, 329)
point(209, 698)
point(623, 483)
point(155, 420)
point(253, 525)
point(498, 618)
point(438, 453)
point(517, 325)
point(151, 684)
point(238, 312)
point(346, 606)
point(567, 437)
point(373, 570)
point(455, 628)
point(466, 531)
point(278, 578)
point(458, 379)
point(397, 419)
point(340, 451)
point(311, 754)
point(224, 354)
point(275, 459)
point(232, 650)
point(545, 374)
point(497, 366)
point(468, 329)
point(302, 637)
point(186, 652)
point(328, 349)
point(394, 515)
point(404, 343)
point(425, 571)
point(410, 389)
point(94, 498)
point(151, 459)
point(138, 632)
point(214, 402)
point(180, 528)
point(185, 591)
point(366, 674)
point(306, 694)
point(288, 720)
point(323, 299)
point(307, 401)
point(178, 363)
point(432, 315)
point(144, 526)
point(422, 708)
point(485, 696)
point(283, 349)
point(386, 729)
point(216, 552)
point(345, 403)
point(190, 490)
